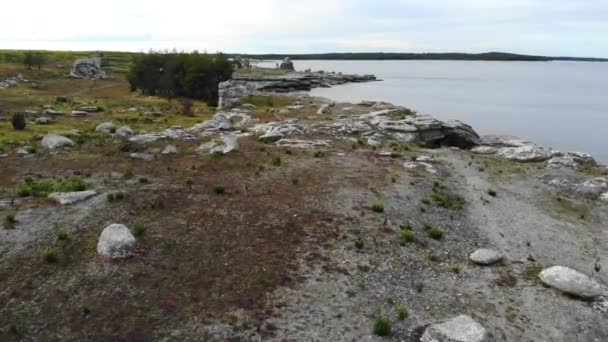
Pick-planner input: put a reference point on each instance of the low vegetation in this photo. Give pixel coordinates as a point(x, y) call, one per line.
point(43, 186)
point(407, 236)
point(382, 326)
point(378, 207)
point(403, 311)
point(433, 232)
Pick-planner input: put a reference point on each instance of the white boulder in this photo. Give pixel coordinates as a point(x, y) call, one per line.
point(485, 257)
point(125, 132)
point(106, 127)
point(484, 150)
point(54, 141)
point(527, 153)
point(116, 242)
point(66, 198)
point(572, 282)
point(226, 143)
point(459, 329)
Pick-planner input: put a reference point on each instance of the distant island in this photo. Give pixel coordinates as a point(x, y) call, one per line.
point(489, 56)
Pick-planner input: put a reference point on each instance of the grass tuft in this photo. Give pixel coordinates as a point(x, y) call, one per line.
point(378, 207)
point(382, 326)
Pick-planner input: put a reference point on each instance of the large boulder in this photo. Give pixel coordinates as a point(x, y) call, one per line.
point(55, 141)
point(287, 64)
point(459, 329)
point(116, 242)
point(66, 198)
point(89, 68)
point(576, 185)
point(484, 150)
point(572, 282)
point(125, 132)
point(105, 127)
point(459, 134)
point(525, 154)
point(485, 257)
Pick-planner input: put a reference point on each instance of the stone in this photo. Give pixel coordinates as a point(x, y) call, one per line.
point(147, 138)
point(287, 64)
point(225, 144)
point(525, 154)
point(485, 257)
point(459, 329)
point(22, 152)
point(572, 160)
point(604, 197)
point(572, 282)
point(54, 141)
point(305, 144)
point(106, 127)
point(459, 134)
point(428, 167)
point(52, 112)
point(66, 198)
point(125, 132)
point(142, 156)
point(484, 150)
point(44, 120)
point(88, 108)
point(116, 242)
point(576, 185)
point(323, 109)
point(89, 68)
point(79, 113)
point(170, 149)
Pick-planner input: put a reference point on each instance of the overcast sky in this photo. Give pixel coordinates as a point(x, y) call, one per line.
point(544, 27)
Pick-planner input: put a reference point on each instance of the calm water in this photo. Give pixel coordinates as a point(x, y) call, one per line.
point(559, 104)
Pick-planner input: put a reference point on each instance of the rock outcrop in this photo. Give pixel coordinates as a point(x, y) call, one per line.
point(55, 141)
point(116, 242)
point(287, 64)
point(88, 68)
point(66, 198)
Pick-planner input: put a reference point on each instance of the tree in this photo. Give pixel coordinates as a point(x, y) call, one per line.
point(29, 59)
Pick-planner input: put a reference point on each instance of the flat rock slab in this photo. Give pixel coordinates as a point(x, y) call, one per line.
point(525, 154)
point(66, 198)
point(460, 329)
point(485, 257)
point(116, 242)
point(572, 282)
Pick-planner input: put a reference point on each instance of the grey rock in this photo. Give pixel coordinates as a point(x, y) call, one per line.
point(79, 113)
point(485, 257)
point(287, 64)
point(89, 68)
point(125, 132)
point(576, 185)
point(106, 127)
point(484, 150)
point(52, 112)
point(116, 242)
point(323, 109)
point(225, 144)
point(147, 138)
point(459, 134)
point(170, 149)
point(44, 120)
point(527, 153)
point(305, 144)
point(88, 108)
point(572, 282)
point(66, 198)
point(459, 329)
point(54, 141)
point(142, 156)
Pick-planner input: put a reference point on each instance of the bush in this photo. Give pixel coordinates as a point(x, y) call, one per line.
point(382, 326)
point(407, 236)
point(10, 220)
point(492, 193)
point(378, 207)
point(62, 235)
point(276, 161)
point(359, 244)
point(139, 229)
point(45, 186)
point(319, 154)
point(19, 122)
point(433, 232)
point(51, 255)
point(402, 311)
point(219, 190)
point(116, 196)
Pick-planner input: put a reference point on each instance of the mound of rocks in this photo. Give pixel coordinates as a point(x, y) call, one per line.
point(88, 68)
point(12, 81)
point(572, 282)
point(125, 132)
point(576, 185)
point(116, 242)
point(459, 329)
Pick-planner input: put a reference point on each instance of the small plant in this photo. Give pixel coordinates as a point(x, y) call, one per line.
point(10, 220)
point(144, 180)
point(51, 256)
point(433, 232)
point(382, 326)
point(219, 190)
point(378, 207)
point(62, 235)
point(319, 154)
point(115, 196)
point(128, 174)
point(403, 311)
point(139, 229)
point(32, 149)
point(276, 161)
point(18, 121)
point(359, 244)
point(492, 193)
point(407, 236)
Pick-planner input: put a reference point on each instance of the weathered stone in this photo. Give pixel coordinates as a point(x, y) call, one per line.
point(106, 127)
point(484, 150)
point(54, 141)
point(323, 109)
point(528, 153)
point(459, 329)
point(142, 156)
point(79, 113)
point(88, 108)
point(572, 282)
point(287, 64)
point(225, 144)
point(147, 138)
point(52, 112)
point(576, 185)
point(305, 144)
point(44, 120)
point(125, 132)
point(485, 257)
point(459, 134)
point(89, 68)
point(170, 149)
point(116, 242)
point(66, 198)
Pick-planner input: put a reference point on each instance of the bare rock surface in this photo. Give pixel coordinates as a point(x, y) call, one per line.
point(66, 198)
point(486, 257)
point(459, 329)
point(116, 242)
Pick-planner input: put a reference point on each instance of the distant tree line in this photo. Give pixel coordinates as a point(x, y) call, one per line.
point(177, 74)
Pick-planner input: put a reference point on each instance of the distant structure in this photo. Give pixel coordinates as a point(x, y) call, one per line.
point(287, 65)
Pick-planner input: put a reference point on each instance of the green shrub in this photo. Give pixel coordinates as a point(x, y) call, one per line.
point(433, 232)
point(492, 193)
point(319, 154)
point(276, 161)
point(116, 196)
point(51, 255)
point(446, 200)
point(139, 229)
point(10, 219)
point(359, 244)
point(378, 207)
point(403, 311)
point(407, 236)
point(219, 190)
point(44, 186)
point(62, 235)
point(382, 326)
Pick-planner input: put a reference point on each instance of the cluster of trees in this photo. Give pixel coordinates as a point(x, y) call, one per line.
point(490, 56)
point(32, 58)
point(177, 74)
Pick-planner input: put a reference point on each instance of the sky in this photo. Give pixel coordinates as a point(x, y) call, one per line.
point(540, 27)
